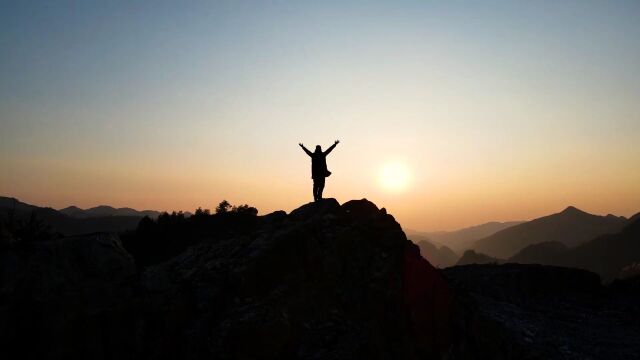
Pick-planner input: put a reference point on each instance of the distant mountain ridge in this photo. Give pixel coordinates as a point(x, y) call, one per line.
point(472, 257)
point(607, 255)
point(462, 239)
point(105, 210)
point(439, 256)
point(544, 253)
point(570, 227)
point(66, 224)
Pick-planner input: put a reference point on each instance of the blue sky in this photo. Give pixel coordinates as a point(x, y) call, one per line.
point(499, 109)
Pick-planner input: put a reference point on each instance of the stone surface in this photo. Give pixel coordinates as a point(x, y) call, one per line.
point(324, 282)
point(515, 311)
point(68, 296)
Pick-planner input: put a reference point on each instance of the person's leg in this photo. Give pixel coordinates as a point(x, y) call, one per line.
point(320, 188)
point(315, 190)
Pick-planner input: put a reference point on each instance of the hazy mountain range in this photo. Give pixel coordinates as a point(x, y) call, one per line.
point(73, 220)
point(439, 256)
point(572, 237)
point(443, 248)
point(462, 239)
point(607, 255)
point(105, 210)
point(570, 227)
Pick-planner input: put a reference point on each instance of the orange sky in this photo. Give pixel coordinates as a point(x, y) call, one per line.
point(496, 111)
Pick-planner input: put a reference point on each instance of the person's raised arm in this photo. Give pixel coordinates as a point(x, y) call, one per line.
point(332, 147)
point(305, 149)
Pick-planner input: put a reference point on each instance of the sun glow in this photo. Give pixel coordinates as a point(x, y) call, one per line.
point(394, 176)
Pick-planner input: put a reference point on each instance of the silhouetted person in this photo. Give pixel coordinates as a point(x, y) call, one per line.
point(319, 169)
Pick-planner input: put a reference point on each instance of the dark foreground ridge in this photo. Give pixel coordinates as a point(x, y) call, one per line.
point(516, 311)
point(326, 281)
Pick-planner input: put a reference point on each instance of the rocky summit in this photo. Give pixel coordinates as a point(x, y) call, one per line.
point(327, 281)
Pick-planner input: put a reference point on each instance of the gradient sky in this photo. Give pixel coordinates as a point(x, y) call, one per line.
point(499, 110)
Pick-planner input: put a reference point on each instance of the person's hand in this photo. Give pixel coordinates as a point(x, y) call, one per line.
point(337, 142)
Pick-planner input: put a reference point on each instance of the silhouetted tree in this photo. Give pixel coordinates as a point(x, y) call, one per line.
point(146, 224)
point(13, 230)
point(155, 241)
point(223, 207)
point(201, 212)
point(245, 209)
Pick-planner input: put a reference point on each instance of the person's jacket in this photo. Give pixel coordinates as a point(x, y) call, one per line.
point(319, 163)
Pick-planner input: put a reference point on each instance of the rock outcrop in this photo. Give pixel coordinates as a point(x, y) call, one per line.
point(516, 311)
point(327, 281)
point(67, 297)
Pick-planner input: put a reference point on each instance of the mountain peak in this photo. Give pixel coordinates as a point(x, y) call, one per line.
point(72, 207)
point(103, 207)
point(571, 226)
point(572, 210)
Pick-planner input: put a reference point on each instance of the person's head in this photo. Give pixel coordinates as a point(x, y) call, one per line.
point(318, 148)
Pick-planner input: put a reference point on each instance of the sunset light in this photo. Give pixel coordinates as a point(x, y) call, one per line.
point(394, 176)
point(287, 179)
point(514, 110)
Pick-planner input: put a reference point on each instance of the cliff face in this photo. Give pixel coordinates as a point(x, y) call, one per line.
point(325, 281)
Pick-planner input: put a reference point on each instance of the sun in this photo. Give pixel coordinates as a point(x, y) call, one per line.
point(394, 176)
